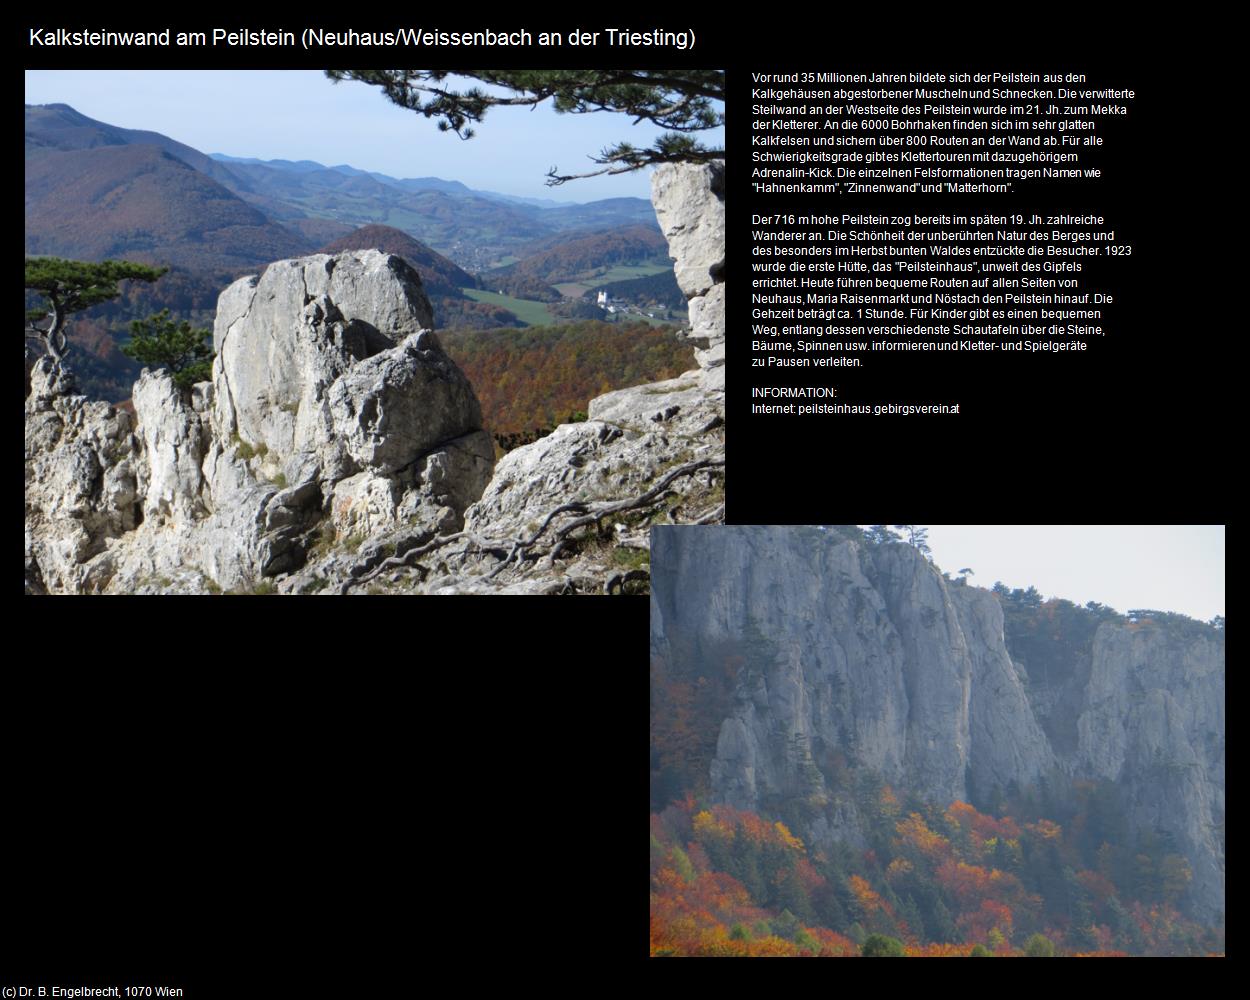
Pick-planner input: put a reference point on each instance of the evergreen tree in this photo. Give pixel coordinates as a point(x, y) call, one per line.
point(792, 896)
point(1039, 946)
point(682, 102)
point(160, 341)
point(909, 913)
point(786, 925)
point(829, 909)
point(744, 865)
point(760, 651)
point(70, 286)
point(1031, 598)
point(941, 925)
point(918, 537)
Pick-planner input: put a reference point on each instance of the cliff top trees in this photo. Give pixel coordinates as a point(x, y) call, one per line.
point(918, 536)
point(682, 102)
point(69, 286)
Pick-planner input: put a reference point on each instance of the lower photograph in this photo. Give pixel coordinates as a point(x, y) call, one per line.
point(937, 741)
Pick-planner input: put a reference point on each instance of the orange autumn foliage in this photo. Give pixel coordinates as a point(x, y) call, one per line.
point(939, 950)
point(898, 868)
point(809, 878)
point(725, 823)
point(868, 899)
point(968, 882)
point(983, 827)
point(787, 838)
point(697, 910)
point(961, 814)
point(1045, 829)
point(697, 918)
point(832, 944)
point(915, 833)
point(977, 924)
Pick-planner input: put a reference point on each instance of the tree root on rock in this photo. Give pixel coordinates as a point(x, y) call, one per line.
point(516, 550)
point(618, 580)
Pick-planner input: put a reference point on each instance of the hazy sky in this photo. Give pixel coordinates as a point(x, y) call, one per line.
point(301, 115)
point(1168, 567)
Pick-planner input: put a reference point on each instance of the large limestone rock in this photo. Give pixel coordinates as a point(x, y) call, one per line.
point(174, 438)
point(880, 658)
point(83, 483)
point(1006, 741)
point(327, 363)
point(332, 409)
point(1153, 721)
point(689, 202)
point(632, 436)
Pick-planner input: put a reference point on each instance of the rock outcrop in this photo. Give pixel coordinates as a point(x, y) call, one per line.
point(333, 410)
point(690, 206)
point(875, 654)
point(84, 480)
point(338, 448)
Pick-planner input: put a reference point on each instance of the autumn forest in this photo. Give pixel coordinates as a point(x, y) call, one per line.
point(1053, 867)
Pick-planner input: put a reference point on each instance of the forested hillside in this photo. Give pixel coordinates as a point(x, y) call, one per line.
point(537, 377)
point(941, 882)
point(810, 688)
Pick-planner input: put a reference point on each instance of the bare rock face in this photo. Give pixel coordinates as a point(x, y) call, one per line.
point(174, 439)
point(879, 658)
point(399, 404)
point(1153, 720)
point(1006, 740)
point(689, 202)
point(83, 483)
point(327, 363)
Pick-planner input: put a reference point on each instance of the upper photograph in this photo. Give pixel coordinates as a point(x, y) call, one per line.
point(370, 332)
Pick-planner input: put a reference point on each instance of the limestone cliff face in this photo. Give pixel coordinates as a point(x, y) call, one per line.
point(1153, 720)
point(876, 654)
point(689, 204)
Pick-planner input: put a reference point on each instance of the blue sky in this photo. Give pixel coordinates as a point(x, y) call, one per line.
point(1163, 566)
point(301, 115)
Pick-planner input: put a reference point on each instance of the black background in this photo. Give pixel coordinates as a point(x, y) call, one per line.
point(278, 793)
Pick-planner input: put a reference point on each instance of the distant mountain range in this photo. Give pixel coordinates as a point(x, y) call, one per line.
point(144, 203)
point(406, 184)
point(308, 199)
